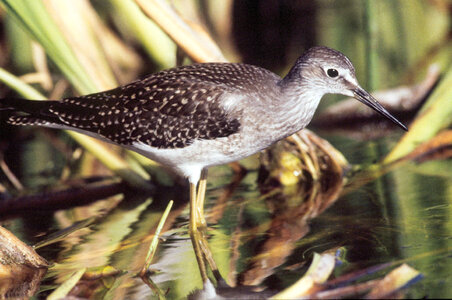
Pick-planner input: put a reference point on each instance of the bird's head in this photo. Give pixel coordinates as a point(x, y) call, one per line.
point(331, 72)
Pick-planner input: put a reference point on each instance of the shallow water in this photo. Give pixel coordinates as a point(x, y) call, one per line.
point(255, 238)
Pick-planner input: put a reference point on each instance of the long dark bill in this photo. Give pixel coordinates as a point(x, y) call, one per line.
point(364, 97)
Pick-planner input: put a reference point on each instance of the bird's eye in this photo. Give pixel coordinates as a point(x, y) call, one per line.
point(332, 73)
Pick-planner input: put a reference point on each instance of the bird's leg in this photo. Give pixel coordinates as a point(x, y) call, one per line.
point(204, 245)
point(202, 225)
point(201, 196)
point(195, 235)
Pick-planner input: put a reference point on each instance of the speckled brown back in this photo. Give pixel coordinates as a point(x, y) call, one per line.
point(168, 109)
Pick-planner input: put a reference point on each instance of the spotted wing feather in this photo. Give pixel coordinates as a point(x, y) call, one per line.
point(169, 109)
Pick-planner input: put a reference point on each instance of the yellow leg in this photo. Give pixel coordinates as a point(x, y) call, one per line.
point(204, 246)
point(201, 196)
point(202, 224)
point(198, 225)
point(195, 234)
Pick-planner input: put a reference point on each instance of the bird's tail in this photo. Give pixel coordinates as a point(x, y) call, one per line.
point(19, 111)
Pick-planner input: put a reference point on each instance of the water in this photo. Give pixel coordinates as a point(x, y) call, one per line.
point(266, 239)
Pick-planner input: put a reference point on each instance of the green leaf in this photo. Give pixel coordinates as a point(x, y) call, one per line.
point(35, 19)
point(434, 116)
point(64, 289)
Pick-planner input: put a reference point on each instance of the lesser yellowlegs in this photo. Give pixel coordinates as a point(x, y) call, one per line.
point(192, 117)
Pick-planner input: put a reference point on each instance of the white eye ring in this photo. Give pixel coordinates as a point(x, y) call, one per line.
point(332, 73)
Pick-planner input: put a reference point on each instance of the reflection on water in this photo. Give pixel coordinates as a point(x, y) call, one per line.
point(402, 216)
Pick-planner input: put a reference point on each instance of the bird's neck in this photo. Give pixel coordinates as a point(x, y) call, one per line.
point(299, 101)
